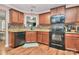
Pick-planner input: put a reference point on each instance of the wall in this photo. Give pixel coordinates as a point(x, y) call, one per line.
point(2, 7)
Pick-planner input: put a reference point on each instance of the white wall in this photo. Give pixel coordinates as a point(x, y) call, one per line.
point(2, 7)
point(7, 21)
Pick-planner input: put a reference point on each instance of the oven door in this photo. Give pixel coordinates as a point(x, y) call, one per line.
point(58, 28)
point(57, 40)
point(57, 19)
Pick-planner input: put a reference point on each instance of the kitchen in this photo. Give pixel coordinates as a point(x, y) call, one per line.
point(50, 29)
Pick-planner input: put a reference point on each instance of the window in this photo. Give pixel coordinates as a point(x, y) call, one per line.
point(31, 21)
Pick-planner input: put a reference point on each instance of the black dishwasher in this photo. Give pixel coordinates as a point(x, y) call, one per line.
point(19, 38)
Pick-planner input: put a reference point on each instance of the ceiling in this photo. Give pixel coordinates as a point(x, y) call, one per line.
point(36, 8)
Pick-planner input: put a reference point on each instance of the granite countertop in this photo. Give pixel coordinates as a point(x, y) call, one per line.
point(16, 30)
point(72, 35)
point(21, 30)
point(72, 32)
point(38, 29)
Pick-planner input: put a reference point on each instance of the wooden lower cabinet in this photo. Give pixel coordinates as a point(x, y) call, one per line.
point(70, 43)
point(28, 37)
point(39, 37)
point(11, 39)
point(43, 37)
point(77, 44)
point(31, 36)
point(34, 36)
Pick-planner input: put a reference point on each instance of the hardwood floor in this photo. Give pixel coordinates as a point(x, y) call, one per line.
point(2, 48)
point(41, 50)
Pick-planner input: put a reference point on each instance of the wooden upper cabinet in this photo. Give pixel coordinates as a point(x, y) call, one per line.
point(58, 10)
point(13, 16)
point(53, 11)
point(77, 20)
point(71, 15)
point(16, 16)
point(61, 10)
point(21, 17)
point(44, 19)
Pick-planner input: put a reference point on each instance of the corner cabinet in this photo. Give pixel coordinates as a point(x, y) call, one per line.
point(16, 16)
point(31, 36)
point(21, 17)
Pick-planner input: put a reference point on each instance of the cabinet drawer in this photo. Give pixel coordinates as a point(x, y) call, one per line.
point(45, 33)
point(39, 33)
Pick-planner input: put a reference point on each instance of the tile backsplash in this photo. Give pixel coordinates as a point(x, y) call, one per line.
point(70, 27)
point(16, 26)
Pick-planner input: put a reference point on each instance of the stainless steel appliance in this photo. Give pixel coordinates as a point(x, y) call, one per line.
point(57, 19)
point(57, 32)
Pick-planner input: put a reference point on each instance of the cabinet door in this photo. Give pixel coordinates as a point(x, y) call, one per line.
point(33, 36)
point(77, 44)
point(70, 43)
point(41, 19)
point(21, 17)
point(53, 11)
point(44, 18)
point(11, 39)
point(70, 15)
point(39, 37)
point(61, 10)
point(13, 16)
point(45, 39)
point(28, 37)
point(77, 20)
